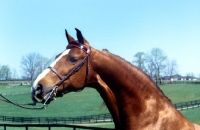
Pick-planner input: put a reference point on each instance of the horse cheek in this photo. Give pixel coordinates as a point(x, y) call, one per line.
point(77, 80)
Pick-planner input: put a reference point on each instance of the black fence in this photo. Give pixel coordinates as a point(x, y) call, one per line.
point(102, 118)
point(179, 82)
point(67, 122)
point(49, 126)
point(187, 105)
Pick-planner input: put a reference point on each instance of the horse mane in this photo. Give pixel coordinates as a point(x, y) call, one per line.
point(130, 67)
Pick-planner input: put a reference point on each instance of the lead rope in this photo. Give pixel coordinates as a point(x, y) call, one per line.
point(52, 91)
point(22, 106)
point(32, 108)
point(56, 86)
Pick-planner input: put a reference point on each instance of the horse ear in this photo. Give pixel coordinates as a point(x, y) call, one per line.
point(69, 38)
point(79, 36)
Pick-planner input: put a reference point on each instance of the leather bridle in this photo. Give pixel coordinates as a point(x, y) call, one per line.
point(77, 68)
point(62, 79)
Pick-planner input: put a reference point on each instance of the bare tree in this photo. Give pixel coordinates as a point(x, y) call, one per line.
point(171, 68)
point(150, 68)
point(43, 64)
point(152, 63)
point(33, 64)
point(5, 72)
point(157, 60)
point(139, 60)
point(29, 65)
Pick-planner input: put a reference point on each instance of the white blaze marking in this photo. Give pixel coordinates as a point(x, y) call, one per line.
point(63, 54)
point(46, 71)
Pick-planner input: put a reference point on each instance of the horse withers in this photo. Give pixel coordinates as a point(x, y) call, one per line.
point(133, 99)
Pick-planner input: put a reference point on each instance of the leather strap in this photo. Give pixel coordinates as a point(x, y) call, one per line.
point(52, 69)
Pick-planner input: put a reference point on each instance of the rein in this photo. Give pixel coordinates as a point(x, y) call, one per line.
point(62, 79)
point(22, 106)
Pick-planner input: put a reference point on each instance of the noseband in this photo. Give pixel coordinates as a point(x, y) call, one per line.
point(77, 68)
point(62, 79)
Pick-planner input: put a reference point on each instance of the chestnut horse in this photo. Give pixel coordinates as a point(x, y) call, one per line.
point(133, 99)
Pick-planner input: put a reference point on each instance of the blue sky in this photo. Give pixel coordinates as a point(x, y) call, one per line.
point(123, 27)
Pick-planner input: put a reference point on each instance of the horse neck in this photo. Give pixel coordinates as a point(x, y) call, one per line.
point(130, 90)
point(123, 78)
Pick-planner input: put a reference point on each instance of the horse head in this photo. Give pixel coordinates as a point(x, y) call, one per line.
point(69, 72)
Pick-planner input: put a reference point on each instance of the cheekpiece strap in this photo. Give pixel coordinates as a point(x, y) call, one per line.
point(80, 46)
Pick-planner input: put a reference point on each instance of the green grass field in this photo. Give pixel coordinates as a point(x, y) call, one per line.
point(181, 92)
point(178, 93)
point(89, 102)
point(10, 89)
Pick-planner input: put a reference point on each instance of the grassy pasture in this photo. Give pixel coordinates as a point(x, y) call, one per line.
point(14, 81)
point(10, 89)
point(89, 102)
point(178, 93)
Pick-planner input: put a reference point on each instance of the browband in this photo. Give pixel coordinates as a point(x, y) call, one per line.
point(80, 46)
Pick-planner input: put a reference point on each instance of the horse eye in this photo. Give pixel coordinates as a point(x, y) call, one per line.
point(73, 60)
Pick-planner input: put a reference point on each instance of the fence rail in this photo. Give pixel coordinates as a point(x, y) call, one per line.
point(187, 105)
point(16, 93)
point(102, 118)
point(180, 82)
point(49, 126)
point(68, 122)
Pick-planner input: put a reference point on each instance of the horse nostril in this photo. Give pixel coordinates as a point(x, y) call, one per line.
point(37, 93)
point(39, 87)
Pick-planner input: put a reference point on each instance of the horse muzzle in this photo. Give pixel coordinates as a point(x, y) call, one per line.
point(38, 95)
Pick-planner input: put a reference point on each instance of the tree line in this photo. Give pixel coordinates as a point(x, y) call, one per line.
point(31, 66)
point(155, 64)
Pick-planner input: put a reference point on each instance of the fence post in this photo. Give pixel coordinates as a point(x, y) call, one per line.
point(4, 126)
point(39, 120)
point(187, 105)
